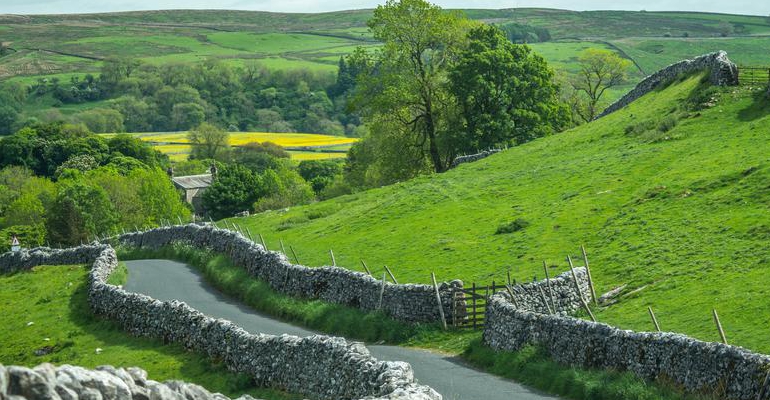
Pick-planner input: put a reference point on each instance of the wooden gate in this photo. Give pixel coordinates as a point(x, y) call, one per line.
point(470, 304)
point(754, 76)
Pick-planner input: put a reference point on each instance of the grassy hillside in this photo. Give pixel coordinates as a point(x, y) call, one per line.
point(54, 45)
point(671, 201)
point(47, 310)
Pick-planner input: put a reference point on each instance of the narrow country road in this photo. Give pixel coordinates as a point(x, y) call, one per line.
point(169, 280)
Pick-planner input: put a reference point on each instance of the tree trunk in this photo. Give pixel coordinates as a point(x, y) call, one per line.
point(430, 130)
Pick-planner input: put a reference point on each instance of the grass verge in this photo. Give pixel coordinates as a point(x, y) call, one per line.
point(47, 318)
point(531, 366)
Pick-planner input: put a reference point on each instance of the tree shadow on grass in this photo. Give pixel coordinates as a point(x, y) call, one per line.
point(759, 108)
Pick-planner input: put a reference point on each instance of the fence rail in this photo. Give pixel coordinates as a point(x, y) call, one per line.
point(754, 75)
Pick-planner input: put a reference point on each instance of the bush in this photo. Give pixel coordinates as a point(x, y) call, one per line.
point(511, 227)
point(667, 124)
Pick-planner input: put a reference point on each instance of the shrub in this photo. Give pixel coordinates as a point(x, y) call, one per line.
point(667, 124)
point(511, 227)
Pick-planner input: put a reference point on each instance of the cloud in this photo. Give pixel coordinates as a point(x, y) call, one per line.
point(85, 6)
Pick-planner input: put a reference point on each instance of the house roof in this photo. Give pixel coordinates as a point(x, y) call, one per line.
point(192, 181)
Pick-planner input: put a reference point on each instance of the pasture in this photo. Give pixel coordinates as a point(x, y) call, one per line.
point(665, 203)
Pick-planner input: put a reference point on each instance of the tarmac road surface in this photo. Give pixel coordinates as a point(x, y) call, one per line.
point(170, 280)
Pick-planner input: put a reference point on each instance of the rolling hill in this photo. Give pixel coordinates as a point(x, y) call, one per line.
point(671, 197)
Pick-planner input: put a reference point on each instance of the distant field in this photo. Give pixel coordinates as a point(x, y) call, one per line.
point(174, 144)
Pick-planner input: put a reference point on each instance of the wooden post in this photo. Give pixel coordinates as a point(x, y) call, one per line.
point(509, 276)
point(334, 262)
point(545, 300)
point(179, 217)
point(509, 288)
point(550, 289)
point(382, 292)
point(366, 268)
point(262, 239)
point(719, 327)
point(654, 320)
point(580, 293)
point(248, 232)
point(283, 249)
point(588, 271)
point(473, 298)
point(296, 260)
point(438, 299)
point(391, 275)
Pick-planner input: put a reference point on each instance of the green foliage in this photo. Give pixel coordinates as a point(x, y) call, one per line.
point(119, 276)
point(260, 157)
point(79, 211)
point(320, 173)
point(55, 300)
point(235, 189)
point(286, 188)
point(30, 236)
point(514, 226)
point(506, 93)
point(101, 120)
point(209, 142)
point(600, 70)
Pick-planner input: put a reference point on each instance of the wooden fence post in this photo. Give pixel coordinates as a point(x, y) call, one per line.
point(588, 271)
point(391, 275)
point(382, 292)
point(654, 320)
point(550, 289)
point(580, 293)
point(334, 262)
point(719, 327)
point(262, 239)
point(473, 298)
point(296, 260)
point(180, 219)
point(283, 249)
point(438, 299)
point(509, 288)
point(366, 268)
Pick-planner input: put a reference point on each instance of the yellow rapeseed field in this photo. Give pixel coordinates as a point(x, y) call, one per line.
point(174, 143)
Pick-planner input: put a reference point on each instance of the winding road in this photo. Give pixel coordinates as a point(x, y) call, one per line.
point(171, 280)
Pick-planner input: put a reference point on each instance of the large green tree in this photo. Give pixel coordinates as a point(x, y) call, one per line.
point(235, 189)
point(407, 83)
point(506, 93)
point(209, 142)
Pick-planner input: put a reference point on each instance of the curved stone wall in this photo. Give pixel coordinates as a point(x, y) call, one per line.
point(723, 73)
point(405, 302)
point(699, 367)
point(318, 366)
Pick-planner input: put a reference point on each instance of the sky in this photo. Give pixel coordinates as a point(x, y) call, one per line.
point(755, 7)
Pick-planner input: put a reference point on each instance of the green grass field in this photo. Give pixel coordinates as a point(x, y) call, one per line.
point(671, 202)
point(48, 309)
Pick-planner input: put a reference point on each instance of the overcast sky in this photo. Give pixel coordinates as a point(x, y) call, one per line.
point(757, 7)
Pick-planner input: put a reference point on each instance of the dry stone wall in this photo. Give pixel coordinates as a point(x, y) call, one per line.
point(473, 157)
point(68, 382)
point(723, 73)
point(406, 302)
point(320, 367)
point(558, 295)
point(726, 371)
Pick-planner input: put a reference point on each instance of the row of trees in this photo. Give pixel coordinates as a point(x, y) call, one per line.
point(141, 97)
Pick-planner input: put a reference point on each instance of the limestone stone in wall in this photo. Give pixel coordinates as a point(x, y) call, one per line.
point(723, 73)
point(560, 294)
point(726, 371)
point(67, 382)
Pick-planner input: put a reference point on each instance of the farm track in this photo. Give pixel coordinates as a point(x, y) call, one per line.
point(169, 280)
